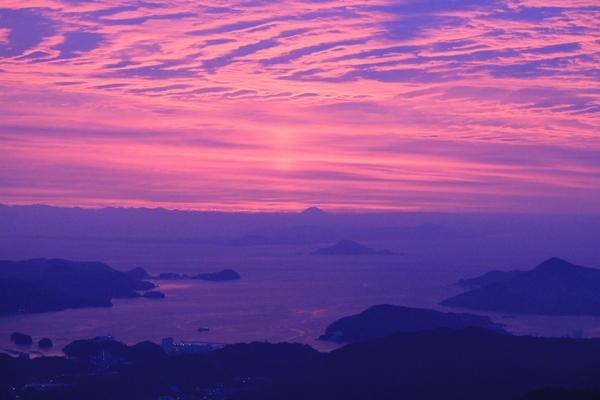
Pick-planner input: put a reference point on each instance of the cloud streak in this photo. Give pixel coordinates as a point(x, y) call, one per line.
point(390, 104)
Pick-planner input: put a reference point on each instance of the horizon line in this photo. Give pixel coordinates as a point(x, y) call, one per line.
point(319, 209)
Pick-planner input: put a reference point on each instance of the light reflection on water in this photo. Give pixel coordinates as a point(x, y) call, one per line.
point(279, 298)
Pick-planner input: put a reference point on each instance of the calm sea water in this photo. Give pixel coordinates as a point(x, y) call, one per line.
point(285, 293)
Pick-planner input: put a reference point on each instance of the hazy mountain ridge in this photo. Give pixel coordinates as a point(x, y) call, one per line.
point(225, 228)
point(347, 247)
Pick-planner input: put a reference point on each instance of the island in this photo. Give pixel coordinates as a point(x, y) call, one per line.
point(218, 276)
point(170, 276)
point(42, 285)
point(104, 351)
point(45, 343)
point(555, 287)
point(351, 248)
point(21, 339)
point(154, 294)
point(386, 319)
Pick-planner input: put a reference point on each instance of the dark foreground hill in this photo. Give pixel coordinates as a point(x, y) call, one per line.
point(445, 364)
point(564, 394)
point(42, 285)
point(467, 364)
point(384, 320)
point(555, 287)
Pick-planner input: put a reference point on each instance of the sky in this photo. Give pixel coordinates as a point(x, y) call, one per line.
point(407, 105)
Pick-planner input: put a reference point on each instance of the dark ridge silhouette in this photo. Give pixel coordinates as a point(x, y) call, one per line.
point(224, 275)
point(465, 364)
point(102, 350)
point(350, 247)
point(488, 278)
point(154, 294)
point(21, 339)
point(42, 285)
point(564, 394)
point(103, 368)
point(555, 287)
point(384, 320)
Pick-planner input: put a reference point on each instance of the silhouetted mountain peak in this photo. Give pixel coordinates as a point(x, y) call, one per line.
point(313, 211)
point(555, 264)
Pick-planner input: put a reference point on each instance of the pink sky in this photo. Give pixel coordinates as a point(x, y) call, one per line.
point(455, 105)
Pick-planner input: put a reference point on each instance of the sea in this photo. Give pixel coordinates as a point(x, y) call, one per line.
point(285, 294)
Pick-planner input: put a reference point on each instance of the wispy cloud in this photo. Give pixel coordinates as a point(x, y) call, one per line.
point(407, 104)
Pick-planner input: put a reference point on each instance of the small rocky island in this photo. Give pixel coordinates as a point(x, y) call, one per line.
point(384, 320)
point(45, 343)
point(555, 287)
point(154, 294)
point(350, 248)
point(21, 339)
point(218, 276)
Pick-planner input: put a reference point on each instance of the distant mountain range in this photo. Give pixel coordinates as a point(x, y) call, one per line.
point(555, 287)
point(313, 225)
point(42, 285)
point(384, 320)
point(350, 248)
